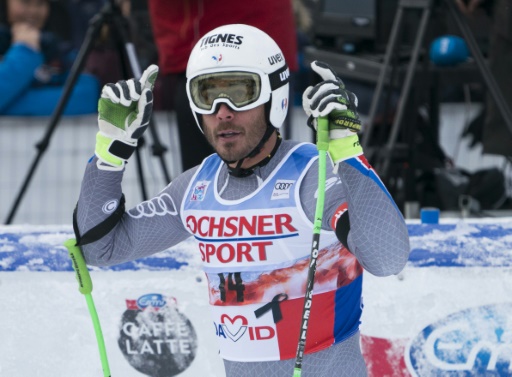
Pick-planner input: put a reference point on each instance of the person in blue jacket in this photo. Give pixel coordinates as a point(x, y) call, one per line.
point(35, 62)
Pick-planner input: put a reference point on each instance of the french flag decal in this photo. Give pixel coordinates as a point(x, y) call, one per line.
point(337, 214)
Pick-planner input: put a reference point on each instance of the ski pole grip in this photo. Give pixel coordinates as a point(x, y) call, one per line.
point(78, 262)
point(322, 136)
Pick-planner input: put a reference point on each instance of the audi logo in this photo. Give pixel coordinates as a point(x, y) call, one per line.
point(282, 185)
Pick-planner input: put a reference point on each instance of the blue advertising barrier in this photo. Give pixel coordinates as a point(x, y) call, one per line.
point(482, 244)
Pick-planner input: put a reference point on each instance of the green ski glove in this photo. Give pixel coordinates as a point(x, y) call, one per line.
point(124, 111)
point(330, 98)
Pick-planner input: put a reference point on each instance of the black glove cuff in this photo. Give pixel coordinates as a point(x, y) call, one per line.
point(121, 150)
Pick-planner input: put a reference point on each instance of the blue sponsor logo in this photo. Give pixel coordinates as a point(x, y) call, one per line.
point(154, 300)
point(472, 342)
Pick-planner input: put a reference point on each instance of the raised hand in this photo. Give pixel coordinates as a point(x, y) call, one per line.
point(124, 111)
point(330, 99)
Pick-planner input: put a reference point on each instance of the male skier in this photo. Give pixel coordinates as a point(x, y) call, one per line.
point(251, 205)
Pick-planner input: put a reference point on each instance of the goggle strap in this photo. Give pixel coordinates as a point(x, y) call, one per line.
point(279, 78)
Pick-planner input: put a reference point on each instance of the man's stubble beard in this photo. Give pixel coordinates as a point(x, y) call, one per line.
point(233, 151)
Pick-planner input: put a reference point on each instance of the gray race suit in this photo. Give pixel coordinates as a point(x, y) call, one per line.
point(376, 235)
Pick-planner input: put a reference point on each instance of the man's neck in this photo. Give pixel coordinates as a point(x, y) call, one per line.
point(265, 151)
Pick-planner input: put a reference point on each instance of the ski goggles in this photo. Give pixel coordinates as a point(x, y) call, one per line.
point(241, 90)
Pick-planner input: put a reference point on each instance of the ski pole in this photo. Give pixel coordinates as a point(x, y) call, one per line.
point(322, 145)
point(85, 288)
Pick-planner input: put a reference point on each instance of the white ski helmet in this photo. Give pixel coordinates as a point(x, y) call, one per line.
point(241, 66)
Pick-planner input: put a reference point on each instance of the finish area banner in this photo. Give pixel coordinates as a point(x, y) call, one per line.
point(449, 313)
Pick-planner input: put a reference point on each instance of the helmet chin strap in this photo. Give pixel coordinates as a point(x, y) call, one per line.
point(240, 172)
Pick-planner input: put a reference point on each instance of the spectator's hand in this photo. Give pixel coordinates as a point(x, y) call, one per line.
point(468, 7)
point(124, 110)
point(23, 32)
point(330, 98)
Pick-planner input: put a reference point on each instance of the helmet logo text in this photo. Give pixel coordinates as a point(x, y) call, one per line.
point(274, 59)
point(283, 76)
point(222, 38)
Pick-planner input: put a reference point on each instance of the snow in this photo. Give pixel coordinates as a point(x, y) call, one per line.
point(459, 273)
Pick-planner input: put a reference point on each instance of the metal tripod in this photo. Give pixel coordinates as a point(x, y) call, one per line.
point(385, 153)
point(110, 14)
